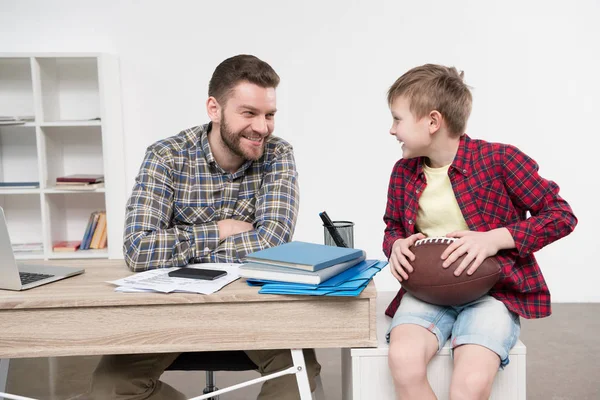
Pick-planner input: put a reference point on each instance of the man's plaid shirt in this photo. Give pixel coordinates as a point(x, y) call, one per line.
point(181, 192)
point(495, 186)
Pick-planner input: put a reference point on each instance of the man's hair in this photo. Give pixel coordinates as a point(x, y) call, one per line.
point(435, 87)
point(237, 69)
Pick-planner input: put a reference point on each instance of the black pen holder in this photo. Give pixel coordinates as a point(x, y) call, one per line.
point(345, 229)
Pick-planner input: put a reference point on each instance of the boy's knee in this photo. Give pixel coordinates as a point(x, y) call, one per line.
point(471, 385)
point(407, 364)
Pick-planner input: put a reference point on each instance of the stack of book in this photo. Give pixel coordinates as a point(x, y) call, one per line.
point(18, 120)
point(80, 182)
point(27, 248)
point(95, 232)
point(310, 269)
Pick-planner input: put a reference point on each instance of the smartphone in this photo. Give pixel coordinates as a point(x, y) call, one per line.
point(196, 273)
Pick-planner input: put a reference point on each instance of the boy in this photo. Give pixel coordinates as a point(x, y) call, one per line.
point(447, 184)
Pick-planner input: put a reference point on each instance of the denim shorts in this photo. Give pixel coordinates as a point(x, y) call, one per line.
point(485, 322)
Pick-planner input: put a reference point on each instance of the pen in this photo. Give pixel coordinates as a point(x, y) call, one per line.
point(335, 235)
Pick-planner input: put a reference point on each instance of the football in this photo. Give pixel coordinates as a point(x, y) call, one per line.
point(434, 284)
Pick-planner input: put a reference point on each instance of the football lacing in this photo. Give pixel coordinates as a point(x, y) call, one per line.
point(435, 239)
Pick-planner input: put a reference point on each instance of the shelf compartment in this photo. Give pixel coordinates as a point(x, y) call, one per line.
point(69, 215)
point(69, 88)
point(72, 150)
point(23, 219)
point(18, 155)
point(16, 89)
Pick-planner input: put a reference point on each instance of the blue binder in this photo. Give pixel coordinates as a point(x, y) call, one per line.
point(334, 281)
point(349, 283)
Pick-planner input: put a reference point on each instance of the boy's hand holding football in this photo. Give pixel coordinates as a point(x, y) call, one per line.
point(477, 245)
point(400, 256)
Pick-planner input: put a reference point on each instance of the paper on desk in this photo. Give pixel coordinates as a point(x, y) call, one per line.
point(158, 280)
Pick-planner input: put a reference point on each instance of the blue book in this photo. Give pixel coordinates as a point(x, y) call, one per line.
point(303, 255)
point(19, 185)
point(351, 284)
point(354, 274)
point(87, 239)
point(274, 273)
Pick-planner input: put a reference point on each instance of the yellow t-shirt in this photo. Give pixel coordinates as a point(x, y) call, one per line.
point(438, 212)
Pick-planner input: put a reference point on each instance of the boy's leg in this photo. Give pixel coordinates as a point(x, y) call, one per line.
point(475, 368)
point(411, 349)
point(482, 337)
point(417, 332)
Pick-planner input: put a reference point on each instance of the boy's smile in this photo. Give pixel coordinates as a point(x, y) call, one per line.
point(413, 135)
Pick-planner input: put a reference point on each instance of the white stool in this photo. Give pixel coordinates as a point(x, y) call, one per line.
point(366, 375)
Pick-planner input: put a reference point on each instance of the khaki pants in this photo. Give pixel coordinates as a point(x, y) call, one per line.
point(136, 376)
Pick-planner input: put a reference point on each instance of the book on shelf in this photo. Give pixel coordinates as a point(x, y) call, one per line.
point(99, 231)
point(27, 247)
point(19, 185)
point(293, 275)
point(18, 120)
point(28, 118)
point(84, 178)
point(66, 245)
point(94, 232)
point(74, 183)
point(304, 255)
point(78, 186)
point(88, 231)
point(103, 239)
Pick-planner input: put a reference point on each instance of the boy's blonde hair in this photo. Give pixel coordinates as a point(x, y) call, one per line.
point(435, 87)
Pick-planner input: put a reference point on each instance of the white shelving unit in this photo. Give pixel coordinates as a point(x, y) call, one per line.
point(77, 129)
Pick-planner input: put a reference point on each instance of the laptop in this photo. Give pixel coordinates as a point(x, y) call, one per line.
point(18, 276)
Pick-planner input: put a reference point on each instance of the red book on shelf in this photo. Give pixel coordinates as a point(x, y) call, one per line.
point(67, 245)
point(86, 178)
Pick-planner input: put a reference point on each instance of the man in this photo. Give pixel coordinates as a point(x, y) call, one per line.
point(212, 193)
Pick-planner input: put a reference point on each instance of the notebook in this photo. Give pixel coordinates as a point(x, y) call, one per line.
point(303, 255)
point(18, 276)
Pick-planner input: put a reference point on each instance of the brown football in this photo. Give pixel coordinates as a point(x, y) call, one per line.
point(434, 284)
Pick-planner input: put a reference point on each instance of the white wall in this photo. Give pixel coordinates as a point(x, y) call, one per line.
point(533, 66)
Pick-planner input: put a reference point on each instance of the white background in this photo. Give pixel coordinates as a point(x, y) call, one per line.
point(533, 66)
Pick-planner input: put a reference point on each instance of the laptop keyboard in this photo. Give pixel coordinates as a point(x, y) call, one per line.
point(28, 277)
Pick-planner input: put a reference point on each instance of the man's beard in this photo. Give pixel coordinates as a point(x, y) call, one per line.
point(233, 142)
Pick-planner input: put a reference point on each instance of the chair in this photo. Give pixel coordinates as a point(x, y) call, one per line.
point(366, 375)
point(211, 361)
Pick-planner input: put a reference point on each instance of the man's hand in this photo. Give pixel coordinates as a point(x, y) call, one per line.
point(477, 245)
point(230, 227)
point(400, 255)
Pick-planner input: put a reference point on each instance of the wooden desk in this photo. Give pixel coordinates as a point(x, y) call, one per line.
point(83, 315)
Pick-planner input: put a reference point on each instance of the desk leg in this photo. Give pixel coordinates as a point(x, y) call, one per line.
point(52, 376)
point(301, 375)
point(3, 373)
